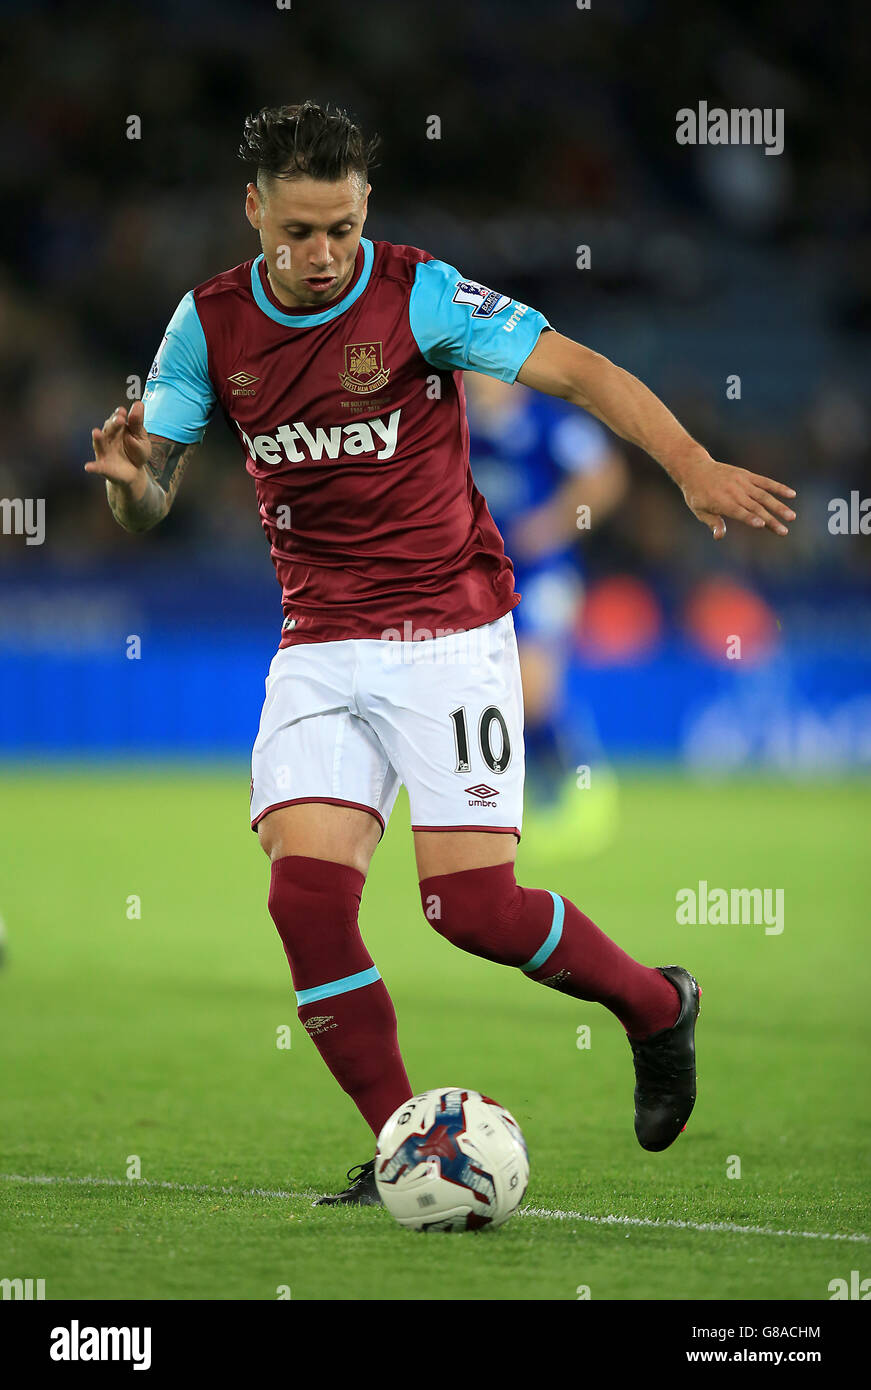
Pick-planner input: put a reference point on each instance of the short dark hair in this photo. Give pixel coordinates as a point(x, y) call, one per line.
point(290, 142)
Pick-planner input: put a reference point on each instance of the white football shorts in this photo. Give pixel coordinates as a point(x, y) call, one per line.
point(349, 722)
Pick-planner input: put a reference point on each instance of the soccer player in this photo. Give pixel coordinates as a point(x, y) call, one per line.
point(337, 362)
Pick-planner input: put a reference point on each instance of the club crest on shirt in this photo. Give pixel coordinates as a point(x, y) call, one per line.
point(487, 302)
point(364, 368)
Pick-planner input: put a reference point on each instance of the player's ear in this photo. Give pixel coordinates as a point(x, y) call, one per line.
point(253, 207)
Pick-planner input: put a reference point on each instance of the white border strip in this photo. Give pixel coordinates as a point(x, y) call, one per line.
point(545, 1213)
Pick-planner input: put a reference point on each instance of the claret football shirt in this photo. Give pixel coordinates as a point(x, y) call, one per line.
point(352, 423)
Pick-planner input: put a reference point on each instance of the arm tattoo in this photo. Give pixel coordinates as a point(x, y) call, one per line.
point(164, 471)
point(167, 464)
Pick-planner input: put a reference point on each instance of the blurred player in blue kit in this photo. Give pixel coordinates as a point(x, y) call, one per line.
point(549, 474)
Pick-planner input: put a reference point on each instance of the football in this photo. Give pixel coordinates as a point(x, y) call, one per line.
point(451, 1160)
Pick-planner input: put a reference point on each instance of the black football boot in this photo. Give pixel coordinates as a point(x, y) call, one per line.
point(361, 1192)
point(665, 1069)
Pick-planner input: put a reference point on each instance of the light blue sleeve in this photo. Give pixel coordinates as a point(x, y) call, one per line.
point(461, 324)
point(178, 395)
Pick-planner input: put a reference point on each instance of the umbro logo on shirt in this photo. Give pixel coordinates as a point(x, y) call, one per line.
point(242, 380)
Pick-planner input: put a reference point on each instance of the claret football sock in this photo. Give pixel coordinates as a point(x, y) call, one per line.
point(486, 912)
point(341, 999)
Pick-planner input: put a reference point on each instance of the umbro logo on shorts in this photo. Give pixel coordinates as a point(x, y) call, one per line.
point(481, 792)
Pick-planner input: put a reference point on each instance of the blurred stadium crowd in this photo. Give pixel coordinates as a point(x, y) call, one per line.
point(557, 130)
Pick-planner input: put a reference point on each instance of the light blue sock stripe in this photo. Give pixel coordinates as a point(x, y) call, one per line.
point(363, 977)
point(553, 938)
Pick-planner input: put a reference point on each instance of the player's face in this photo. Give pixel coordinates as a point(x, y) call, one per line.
point(310, 231)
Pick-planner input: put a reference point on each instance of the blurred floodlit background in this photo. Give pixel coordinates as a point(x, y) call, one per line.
point(557, 130)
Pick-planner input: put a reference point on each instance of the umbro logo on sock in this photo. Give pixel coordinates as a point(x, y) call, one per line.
point(320, 1023)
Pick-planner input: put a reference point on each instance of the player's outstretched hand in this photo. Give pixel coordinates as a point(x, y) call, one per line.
point(122, 447)
point(714, 491)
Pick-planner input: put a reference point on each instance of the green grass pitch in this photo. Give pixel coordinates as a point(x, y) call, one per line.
point(156, 1037)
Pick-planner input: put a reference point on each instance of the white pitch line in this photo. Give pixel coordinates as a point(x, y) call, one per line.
point(728, 1227)
point(45, 1180)
point(725, 1227)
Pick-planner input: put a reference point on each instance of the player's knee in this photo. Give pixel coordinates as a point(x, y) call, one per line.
point(473, 909)
point(314, 905)
point(302, 831)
